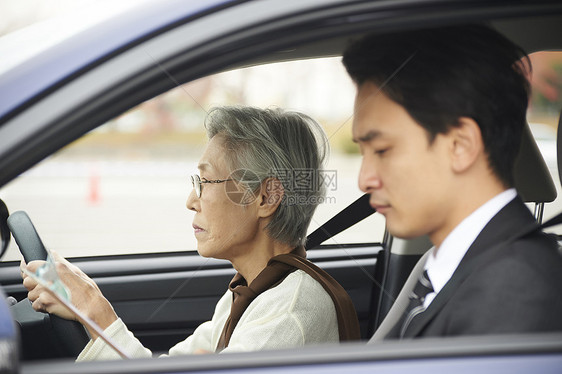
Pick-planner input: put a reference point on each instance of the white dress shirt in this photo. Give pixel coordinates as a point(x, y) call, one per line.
point(442, 263)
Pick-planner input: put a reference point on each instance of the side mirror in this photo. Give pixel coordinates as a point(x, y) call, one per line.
point(5, 233)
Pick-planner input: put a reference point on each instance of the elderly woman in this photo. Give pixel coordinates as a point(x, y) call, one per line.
point(250, 211)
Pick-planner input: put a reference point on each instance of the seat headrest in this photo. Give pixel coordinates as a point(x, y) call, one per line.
point(532, 178)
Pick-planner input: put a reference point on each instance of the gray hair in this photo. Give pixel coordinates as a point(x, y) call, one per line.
point(285, 145)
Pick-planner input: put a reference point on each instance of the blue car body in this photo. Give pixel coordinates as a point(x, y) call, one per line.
point(67, 90)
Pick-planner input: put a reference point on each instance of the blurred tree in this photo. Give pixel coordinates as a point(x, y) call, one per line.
point(546, 82)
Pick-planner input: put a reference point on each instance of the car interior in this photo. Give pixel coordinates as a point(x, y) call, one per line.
point(163, 297)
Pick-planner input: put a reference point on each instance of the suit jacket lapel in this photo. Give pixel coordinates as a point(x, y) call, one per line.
point(513, 218)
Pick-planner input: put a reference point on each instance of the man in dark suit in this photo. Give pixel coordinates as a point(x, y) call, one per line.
point(438, 117)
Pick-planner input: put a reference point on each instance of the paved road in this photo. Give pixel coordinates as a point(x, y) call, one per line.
point(86, 209)
point(83, 208)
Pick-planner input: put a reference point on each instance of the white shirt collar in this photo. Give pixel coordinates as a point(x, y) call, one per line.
point(442, 264)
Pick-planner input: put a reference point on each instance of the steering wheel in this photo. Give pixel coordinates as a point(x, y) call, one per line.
point(67, 338)
point(4, 230)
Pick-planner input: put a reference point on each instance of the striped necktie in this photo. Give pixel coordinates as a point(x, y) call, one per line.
point(416, 307)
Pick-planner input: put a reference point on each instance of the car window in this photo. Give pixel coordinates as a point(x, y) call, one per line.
point(543, 116)
point(122, 188)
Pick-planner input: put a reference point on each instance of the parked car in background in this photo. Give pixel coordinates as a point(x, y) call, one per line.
point(99, 132)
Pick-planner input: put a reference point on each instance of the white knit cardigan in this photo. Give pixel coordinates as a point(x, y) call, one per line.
point(296, 312)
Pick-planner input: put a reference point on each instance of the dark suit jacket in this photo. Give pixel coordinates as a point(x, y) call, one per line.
point(508, 288)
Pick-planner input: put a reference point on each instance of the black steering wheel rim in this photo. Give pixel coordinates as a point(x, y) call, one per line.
point(70, 336)
point(4, 230)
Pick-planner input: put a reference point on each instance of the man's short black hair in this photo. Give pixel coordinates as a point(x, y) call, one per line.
point(440, 75)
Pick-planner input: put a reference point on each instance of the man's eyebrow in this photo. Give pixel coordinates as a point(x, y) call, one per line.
point(372, 134)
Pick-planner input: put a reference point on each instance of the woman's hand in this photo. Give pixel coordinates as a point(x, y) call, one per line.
point(200, 351)
point(85, 294)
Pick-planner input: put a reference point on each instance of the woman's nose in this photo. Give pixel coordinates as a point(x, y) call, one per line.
point(192, 202)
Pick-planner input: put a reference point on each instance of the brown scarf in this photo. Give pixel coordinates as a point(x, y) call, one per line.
point(274, 273)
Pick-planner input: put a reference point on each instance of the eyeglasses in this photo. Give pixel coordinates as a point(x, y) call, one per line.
point(197, 183)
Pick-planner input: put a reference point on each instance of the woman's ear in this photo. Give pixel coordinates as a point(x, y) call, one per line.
point(271, 195)
point(467, 144)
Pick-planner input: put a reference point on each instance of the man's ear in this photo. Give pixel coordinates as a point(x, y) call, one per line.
point(466, 144)
point(271, 195)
